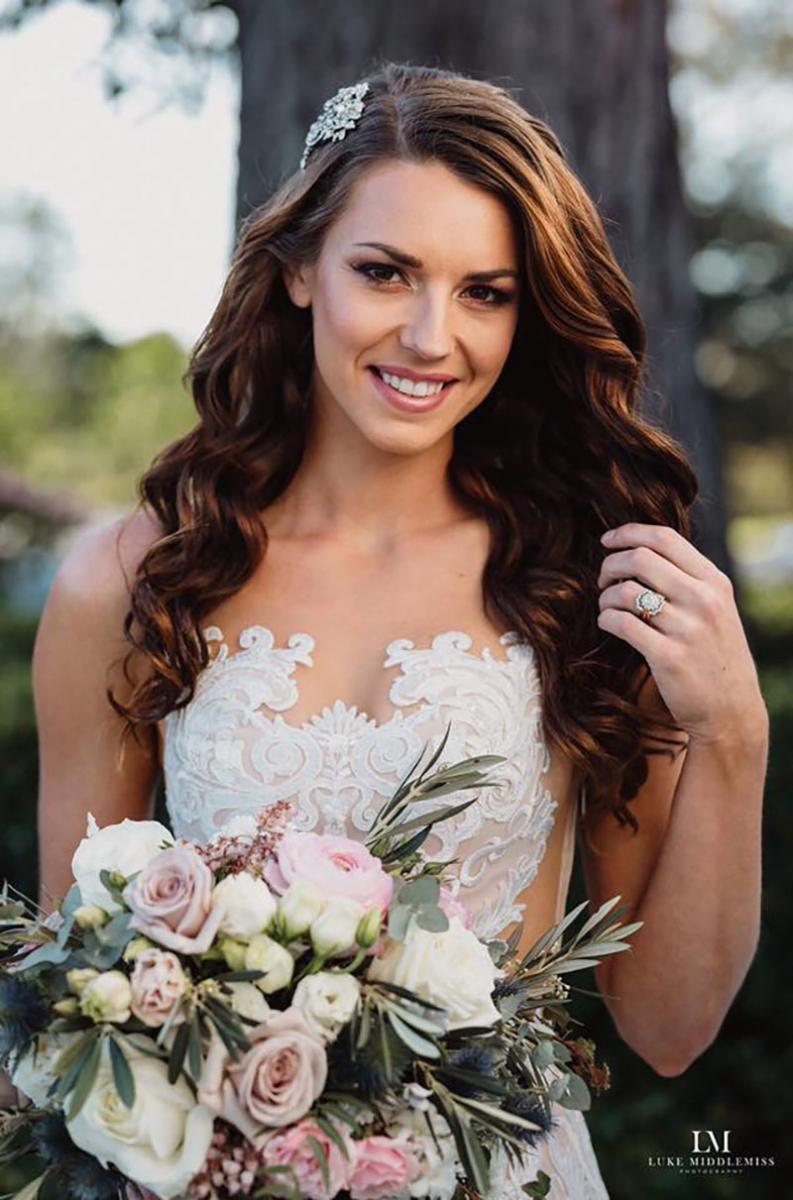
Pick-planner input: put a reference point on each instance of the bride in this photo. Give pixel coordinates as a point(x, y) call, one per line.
point(420, 490)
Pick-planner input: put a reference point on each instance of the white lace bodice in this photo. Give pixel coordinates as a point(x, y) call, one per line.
point(225, 755)
point(230, 750)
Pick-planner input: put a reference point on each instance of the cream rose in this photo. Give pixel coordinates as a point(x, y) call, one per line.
point(107, 998)
point(161, 1142)
point(333, 932)
point(298, 907)
point(125, 847)
point(276, 1081)
point(247, 1001)
point(264, 954)
point(246, 904)
point(453, 969)
point(327, 1000)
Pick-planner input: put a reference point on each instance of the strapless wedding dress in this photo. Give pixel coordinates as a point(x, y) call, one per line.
point(225, 755)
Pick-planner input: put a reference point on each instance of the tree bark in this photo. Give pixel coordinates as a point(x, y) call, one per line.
point(598, 73)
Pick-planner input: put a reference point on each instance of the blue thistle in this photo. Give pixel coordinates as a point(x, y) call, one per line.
point(87, 1179)
point(523, 1105)
point(50, 1138)
point(23, 1012)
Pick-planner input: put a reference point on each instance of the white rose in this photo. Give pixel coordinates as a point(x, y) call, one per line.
point(327, 1001)
point(300, 904)
point(453, 969)
point(247, 904)
point(247, 1000)
point(34, 1072)
point(333, 932)
point(161, 1142)
point(263, 954)
point(126, 847)
point(107, 997)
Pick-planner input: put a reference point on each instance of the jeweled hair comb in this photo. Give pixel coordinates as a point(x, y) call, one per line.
point(339, 114)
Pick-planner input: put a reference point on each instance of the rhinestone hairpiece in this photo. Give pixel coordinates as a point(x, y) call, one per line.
point(338, 115)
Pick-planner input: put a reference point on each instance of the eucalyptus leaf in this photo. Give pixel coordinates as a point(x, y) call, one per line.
point(420, 1045)
point(432, 918)
point(178, 1052)
point(576, 1095)
point(85, 1082)
point(123, 1079)
point(322, 1158)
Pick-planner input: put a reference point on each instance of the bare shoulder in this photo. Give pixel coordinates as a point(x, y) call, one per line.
point(102, 562)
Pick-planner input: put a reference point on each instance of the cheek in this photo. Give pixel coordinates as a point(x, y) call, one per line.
point(345, 321)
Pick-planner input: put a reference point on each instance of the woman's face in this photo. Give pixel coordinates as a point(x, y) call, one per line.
point(374, 311)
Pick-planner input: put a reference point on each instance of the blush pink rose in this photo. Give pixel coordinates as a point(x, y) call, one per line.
point(171, 901)
point(383, 1167)
point(274, 1083)
point(158, 984)
point(293, 1148)
point(453, 907)
point(337, 866)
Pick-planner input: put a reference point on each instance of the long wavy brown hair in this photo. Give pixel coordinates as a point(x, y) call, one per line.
point(557, 453)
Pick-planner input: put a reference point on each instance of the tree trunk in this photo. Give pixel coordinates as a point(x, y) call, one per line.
point(596, 72)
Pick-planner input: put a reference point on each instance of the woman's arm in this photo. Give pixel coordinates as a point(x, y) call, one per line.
point(693, 872)
point(78, 653)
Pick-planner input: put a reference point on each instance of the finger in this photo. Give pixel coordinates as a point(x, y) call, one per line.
point(665, 541)
point(623, 596)
point(648, 641)
point(647, 567)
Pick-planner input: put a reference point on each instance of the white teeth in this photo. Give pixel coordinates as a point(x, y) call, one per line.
point(411, 388)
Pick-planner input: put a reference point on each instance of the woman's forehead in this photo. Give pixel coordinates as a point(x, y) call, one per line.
point(427, 211)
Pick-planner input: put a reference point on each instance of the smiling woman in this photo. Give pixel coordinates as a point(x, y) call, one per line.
point(419, 408)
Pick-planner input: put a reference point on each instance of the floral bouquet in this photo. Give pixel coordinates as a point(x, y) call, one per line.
point(285, 1014)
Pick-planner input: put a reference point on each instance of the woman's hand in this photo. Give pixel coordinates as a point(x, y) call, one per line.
point(695, 647)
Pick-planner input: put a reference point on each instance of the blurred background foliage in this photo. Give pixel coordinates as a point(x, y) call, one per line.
point(80, 418)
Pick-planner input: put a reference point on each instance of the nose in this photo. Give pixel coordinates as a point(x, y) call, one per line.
point(427, 331)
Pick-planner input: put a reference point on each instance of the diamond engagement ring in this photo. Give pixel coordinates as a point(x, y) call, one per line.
point(648, 604)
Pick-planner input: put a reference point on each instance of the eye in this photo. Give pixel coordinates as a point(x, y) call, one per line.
point(499, 296)
point(368, 270)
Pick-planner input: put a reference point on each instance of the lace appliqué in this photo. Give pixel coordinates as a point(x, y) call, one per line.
point(224, 755)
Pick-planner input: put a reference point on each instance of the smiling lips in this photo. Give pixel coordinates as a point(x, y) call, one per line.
point(411, 393)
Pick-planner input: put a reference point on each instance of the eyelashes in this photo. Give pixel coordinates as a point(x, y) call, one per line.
point(368, 269)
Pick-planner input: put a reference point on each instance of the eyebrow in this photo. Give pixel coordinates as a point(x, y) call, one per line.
point(408, 260)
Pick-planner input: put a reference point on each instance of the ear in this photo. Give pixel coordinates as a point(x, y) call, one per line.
point(297, 281)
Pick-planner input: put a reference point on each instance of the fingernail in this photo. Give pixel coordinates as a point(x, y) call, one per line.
point(607, 536)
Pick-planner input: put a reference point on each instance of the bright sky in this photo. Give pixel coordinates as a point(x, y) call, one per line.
point(146, 195)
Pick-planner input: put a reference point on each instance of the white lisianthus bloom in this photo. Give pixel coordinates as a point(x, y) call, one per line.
point(247, 1001)
point(34, 1073)
point(126, 847)
point(327, 1000)
point(107, 998)
point(438, 1160)
point(452, 969)
point(299, 906)
point(247, 904)
point(161, 1142)
point(263, 954)
point(240, 825)
point(333, 932)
